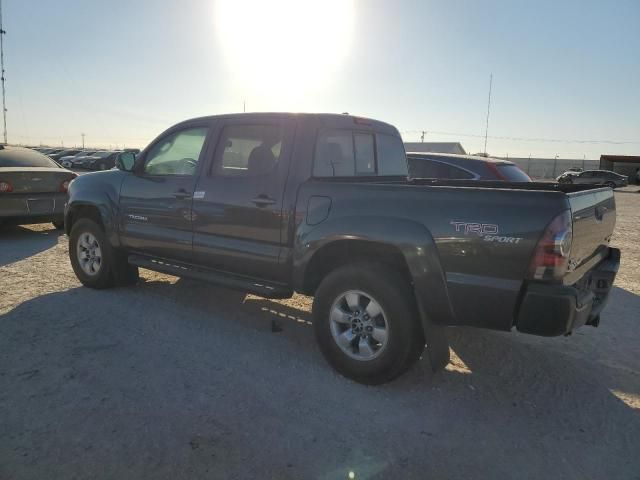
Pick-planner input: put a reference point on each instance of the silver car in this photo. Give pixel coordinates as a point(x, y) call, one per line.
point(33, 188)
point(594, 177)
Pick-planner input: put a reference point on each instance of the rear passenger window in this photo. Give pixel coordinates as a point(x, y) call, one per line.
point(334, 154)
point(422, 168)
point(248, 150)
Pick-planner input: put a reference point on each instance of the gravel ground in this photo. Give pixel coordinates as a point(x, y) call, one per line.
point(175, 379)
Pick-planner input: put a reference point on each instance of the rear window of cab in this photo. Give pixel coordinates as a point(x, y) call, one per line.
point(349, 153)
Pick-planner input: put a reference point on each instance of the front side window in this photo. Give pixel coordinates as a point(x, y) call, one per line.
point(176, 154)
point(249, 150)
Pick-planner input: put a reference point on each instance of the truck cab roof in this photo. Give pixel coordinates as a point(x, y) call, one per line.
point(327, 120)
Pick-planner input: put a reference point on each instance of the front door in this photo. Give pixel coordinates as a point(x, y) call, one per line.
point(155, 201)
point(237, 206)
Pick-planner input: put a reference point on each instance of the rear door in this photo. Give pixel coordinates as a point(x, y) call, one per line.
point(586, 177)
point(155, 202)
point(238, 200)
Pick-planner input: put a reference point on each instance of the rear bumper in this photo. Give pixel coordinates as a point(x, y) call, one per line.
point(551, 310)
point(17, 208)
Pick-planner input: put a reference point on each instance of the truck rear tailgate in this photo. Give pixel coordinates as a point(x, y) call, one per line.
point(594, 218)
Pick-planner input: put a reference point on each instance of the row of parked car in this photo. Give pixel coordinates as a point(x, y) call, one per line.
point(89, 159)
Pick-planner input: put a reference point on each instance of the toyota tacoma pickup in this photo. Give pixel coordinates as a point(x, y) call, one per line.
point(322, 204)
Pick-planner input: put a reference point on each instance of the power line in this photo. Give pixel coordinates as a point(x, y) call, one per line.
point(528, 139)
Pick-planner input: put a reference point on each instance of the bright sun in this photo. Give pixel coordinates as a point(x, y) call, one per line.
point(284, 48)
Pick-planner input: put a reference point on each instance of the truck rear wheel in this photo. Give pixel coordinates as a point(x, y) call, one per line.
point(366, 323)
point(95, 262)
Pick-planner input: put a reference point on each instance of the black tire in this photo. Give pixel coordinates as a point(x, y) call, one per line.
point(405, 340)
point(58, 224)
point(114, 270)
point(610, 185)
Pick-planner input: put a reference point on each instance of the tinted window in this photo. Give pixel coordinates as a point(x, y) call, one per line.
point(25, 159)
point(249, 150)
point(176, 154)
point(334, 154)
point(512, 173)
point(423, 168)
point(364, 154)
point(392, 159)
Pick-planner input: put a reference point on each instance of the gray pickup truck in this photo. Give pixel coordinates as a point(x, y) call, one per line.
point(322, 205)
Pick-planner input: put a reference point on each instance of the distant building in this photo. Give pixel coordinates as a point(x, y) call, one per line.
point(435, 147)
point(622, 164)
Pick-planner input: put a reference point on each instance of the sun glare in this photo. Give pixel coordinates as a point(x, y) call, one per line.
point(284, 48)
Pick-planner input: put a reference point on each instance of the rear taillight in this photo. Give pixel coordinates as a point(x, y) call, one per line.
point(64, 186)
point(551, 257)
point(6, 187)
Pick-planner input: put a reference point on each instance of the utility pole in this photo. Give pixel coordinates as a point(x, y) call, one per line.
point(82, 134)
point(422, 136)
point(244, 106)
point(486, 130)
point(4, 108)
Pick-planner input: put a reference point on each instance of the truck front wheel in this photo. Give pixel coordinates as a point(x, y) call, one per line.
point(366, 323)
point(95, 262)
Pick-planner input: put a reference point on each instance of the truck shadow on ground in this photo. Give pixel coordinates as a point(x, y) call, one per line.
point(515, 392)
point(590, 357)
point(18, 242)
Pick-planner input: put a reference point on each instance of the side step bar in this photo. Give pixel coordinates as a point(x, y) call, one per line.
point(224, 279)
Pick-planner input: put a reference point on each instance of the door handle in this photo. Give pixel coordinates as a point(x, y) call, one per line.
point(263, 201)
point(182, 194)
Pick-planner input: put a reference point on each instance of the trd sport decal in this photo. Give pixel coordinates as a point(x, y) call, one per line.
point(488, 231)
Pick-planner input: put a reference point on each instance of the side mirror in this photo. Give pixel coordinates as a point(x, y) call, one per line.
point(126, 161)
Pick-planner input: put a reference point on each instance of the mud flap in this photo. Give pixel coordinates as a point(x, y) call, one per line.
point(437, 346)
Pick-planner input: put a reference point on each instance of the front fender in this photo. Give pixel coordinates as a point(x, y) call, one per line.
point(99, 191)
point(412, 239)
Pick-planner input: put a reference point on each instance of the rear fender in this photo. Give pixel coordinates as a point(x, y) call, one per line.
point(412, 239)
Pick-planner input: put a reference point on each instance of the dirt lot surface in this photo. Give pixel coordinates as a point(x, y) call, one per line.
point(174, 379)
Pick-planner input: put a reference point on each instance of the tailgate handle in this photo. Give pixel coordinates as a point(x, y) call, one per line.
point(263, 201)
point(600, 211)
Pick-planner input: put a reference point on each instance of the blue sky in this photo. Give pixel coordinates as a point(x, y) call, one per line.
point(122, 71)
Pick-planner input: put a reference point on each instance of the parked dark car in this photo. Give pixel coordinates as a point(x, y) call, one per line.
point(33, 188)
point(50, 151)
point(68, 161)
point(322, 205)
point(463, 167)
point(99, 161)
point(64, 153)
point(594, 177)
